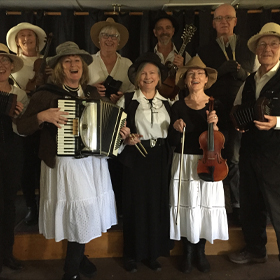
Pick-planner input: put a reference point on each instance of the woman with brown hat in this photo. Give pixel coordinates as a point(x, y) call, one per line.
point(27, 41)
point(10, 156)
point(109, 36)
point(202, 205)
point(145, 184)
point(76, 198)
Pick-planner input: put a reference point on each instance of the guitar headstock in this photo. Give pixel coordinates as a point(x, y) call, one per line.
point(188, 32)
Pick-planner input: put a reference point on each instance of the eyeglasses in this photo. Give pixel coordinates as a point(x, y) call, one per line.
point(113, 36)
point(227, 18)
point(273, 45)
point(5, 60)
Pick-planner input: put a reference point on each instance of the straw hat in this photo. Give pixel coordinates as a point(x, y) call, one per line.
point(96, 28)
point(196, 62)
point(68, 48)
point(17, 61)
point(12, 33)
point(269, 29)
point(147, 57)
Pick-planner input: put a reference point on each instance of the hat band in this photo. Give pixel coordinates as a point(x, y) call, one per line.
point(4, 52)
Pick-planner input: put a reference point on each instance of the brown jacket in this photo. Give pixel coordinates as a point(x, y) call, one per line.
point(43, 99)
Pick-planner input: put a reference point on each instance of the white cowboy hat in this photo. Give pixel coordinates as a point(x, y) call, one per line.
point(96, 28)
point(269, 29)
point(17, 61)
point(196, 62)
point(12, 33)
point(68, 48)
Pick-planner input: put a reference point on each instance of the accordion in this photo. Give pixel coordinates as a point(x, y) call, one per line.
point(93, 128)
point(8, 102)
point(243, 115)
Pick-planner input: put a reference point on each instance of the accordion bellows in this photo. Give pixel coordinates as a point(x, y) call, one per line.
point(243, 115)
point(8, 102)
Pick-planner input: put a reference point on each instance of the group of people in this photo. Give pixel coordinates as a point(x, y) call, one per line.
point(154, 179)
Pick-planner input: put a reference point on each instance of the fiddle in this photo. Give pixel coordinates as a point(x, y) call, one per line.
point(212, 167)
point(39, 66)
point(168, 88)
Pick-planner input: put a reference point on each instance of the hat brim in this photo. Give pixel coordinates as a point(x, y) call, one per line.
point(171, 18)
point(17, 61)
point(97, 27)
point(12, 33)
point(147, 58)
point(253, 41)
point(52, 61)
point(211, 73)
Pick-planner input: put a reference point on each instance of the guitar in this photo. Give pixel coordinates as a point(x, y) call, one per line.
point(168, 88)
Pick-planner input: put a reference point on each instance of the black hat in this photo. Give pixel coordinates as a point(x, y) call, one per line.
point(147, 57)
point(161, 15)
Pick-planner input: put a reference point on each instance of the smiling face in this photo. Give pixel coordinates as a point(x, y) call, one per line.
point(224, 27)
point(109, 39)
point(26, 39)
point(6, 66)
point(164, 31)
point(268, 51)
point(196, 79)
point(148, 77)
point(73, 69)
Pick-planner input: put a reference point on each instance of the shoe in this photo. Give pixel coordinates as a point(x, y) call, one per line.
point(246, 257)
point(12, 263)
point(130, 265)
point(31, 217)
point(154, 265)
point(186, 265)
point(201, 261)
point(74, 277)
point(87, 268)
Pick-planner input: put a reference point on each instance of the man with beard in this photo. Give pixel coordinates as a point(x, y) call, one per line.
point(164, 29)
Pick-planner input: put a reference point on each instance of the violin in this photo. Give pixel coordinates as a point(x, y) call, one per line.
point(39, 66)
point(212, 167)
point(168, 88)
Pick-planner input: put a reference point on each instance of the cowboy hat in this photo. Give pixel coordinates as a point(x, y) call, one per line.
point(12, 33)
point(17, 61)
point(97, 27)
point(149, 57)
point(163, 15)
point(68, 48)
point(269, 29)
point(196, 62)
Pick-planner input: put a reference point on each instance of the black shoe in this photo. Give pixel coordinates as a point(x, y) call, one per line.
point(130, 265)
point(154, 265)
point(31, 217)
point(12, 263)
point(74, 277)
point(87, 268)
point(186, 265)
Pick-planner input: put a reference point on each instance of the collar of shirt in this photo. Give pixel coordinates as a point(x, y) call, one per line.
point(140, 97)
point(170, 56)
point(261, 81)
point(99, 55)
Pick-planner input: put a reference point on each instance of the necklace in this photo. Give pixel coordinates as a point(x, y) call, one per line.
point(70, 89)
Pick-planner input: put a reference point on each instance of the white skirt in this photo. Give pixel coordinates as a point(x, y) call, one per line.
point(202, 211)
point(77, 201)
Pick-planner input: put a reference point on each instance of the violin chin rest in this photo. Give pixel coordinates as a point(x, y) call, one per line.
point(208, 177)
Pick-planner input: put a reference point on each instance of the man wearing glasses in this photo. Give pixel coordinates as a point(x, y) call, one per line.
point(260, 149)
point(229, 55)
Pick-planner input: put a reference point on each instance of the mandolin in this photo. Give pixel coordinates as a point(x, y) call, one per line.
point(168, 88)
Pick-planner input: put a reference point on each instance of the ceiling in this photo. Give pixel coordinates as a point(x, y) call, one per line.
point(132, 5)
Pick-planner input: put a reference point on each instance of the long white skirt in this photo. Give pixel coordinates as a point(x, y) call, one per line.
point(77, 201)
point(202, 211)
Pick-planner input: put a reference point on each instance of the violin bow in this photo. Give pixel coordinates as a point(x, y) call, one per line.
point(180, 175)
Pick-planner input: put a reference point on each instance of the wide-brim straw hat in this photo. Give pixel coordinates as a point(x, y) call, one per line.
point(269, 29)
point(17, 61)
point(195, 63)
point(163, 15)
point(149, 57)
point(97, 27)
point(12, 33)
point(69, 48)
